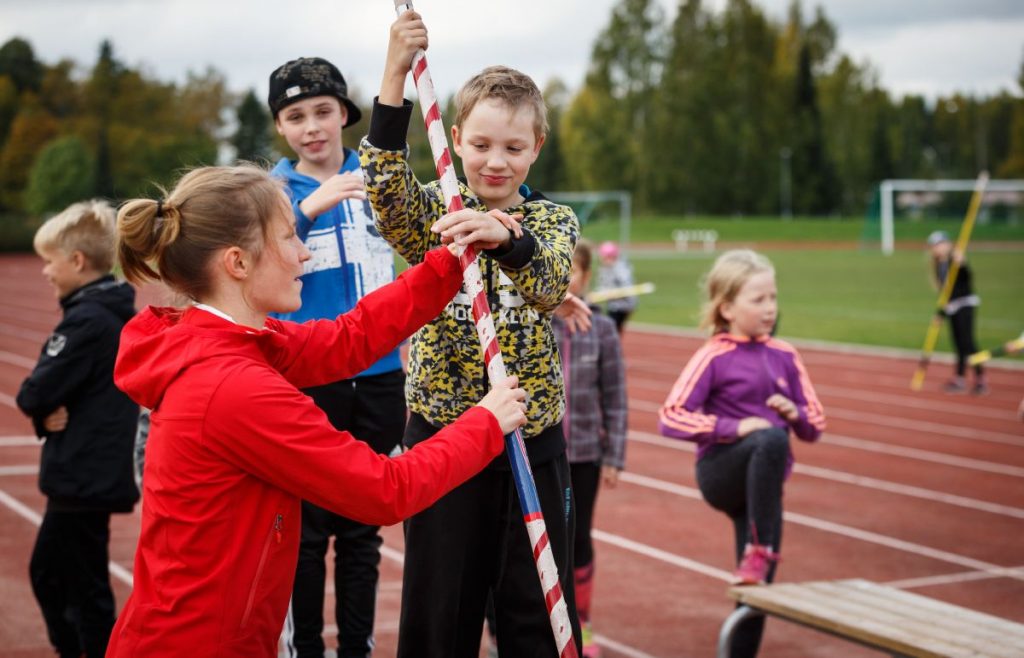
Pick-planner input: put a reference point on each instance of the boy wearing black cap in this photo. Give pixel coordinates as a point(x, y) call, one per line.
point(309, 102)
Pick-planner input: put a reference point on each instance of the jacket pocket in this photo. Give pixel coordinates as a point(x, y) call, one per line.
point(273, 535)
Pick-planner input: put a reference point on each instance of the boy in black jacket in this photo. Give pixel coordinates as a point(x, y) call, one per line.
point(88, 427)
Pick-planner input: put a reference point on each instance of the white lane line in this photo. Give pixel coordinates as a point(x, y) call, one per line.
point(30, 515)
point(874, 418)
point(12, 441)
point(856, 480)
point(658, 554)
point(874, 446)
point(945, 579)
point(924, 455)
point(8, 400)
point(908, 490)
point(850, 478)
point(24, 334)
point(22, 469)
point(893, 399)
point(838, 528)
point(608, 643)
point(17, 360)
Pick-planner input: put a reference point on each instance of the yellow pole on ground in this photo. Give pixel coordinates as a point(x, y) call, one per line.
point(1009, 347)
point(609, 294)
point(932, 335)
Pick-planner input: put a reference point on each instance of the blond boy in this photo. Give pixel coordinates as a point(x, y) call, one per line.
point(473, 543)
point(88, 426)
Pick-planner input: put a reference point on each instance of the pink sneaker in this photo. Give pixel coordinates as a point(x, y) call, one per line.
point(754, 566)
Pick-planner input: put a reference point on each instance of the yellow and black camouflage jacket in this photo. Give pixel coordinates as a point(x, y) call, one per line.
point(446, 366)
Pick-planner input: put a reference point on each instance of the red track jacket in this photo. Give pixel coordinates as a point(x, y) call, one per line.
point(234, 445)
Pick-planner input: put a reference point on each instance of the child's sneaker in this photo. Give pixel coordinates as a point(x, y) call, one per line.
point(590, 647)
point(754, 566)
point(955, 385)
point(980, 387)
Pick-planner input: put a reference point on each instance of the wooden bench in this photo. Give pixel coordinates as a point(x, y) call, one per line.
point(885, 618)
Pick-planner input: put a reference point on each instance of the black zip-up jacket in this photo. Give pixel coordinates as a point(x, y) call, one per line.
point(88, 465)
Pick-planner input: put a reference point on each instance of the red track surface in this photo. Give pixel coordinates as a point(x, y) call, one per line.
point(922, 490)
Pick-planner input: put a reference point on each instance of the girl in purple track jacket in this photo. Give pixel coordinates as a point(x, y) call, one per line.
point(738, 398)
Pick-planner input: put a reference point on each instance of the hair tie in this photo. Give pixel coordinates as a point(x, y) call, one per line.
point(158, 224)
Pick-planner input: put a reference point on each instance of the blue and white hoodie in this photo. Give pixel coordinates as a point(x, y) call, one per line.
point(350, 259)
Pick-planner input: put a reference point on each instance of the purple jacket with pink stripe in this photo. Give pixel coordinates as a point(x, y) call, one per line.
point(730, 378)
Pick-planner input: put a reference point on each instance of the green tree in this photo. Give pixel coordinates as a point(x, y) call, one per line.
point(8, 106)
point(18, 61)
point(252, 137)
point(100, 92)
point(687, 157)
point(548, 172)
point(1013, 165)
point(607, 123)
point(62, 174)
point(815, 189)
point(32, 128)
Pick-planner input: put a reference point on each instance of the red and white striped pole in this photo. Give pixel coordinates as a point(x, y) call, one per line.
point(473, 281)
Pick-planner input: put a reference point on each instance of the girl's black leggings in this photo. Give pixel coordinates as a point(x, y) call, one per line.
point(744, 481)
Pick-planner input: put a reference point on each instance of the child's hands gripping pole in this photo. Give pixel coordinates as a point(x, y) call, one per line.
point(482, 230)
point(506, 402)
point(408, 35)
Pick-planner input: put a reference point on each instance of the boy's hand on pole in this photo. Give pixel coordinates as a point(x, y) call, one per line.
point(506, 401)
point(472, 227)
point(511, 222)
point(408, 35)
point(331, 192)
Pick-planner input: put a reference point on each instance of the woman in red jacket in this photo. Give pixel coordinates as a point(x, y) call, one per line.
point(234, 445)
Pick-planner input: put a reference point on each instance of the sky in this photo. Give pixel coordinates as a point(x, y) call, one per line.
point(929, 47)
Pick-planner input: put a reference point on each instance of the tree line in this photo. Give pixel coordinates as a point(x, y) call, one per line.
point(726, 112)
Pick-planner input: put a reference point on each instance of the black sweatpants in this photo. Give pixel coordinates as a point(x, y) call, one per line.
point(71, 581)
point(372, 408)
point(744, 480)
point(473, 541)
point(961, 325)
point(586, 479)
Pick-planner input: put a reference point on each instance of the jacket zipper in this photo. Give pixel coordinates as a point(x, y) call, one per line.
point(275, 533)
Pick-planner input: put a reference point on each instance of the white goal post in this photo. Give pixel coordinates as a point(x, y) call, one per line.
point(586, 202)
point(889, 188)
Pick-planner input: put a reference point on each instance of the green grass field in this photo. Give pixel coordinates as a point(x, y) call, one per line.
point(659, 229)
point(856, 296)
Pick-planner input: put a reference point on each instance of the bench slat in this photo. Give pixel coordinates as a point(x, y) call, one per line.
point(940, 621)
point(966, 615)
point(854, 610)
point(853, 622)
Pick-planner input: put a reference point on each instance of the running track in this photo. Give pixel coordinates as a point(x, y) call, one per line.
point(923, 491)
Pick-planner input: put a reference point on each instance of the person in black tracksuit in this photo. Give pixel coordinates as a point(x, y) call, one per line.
point(960, 311)
point(88, 428)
